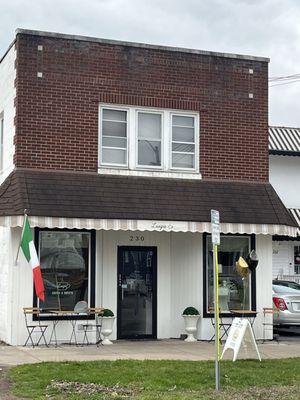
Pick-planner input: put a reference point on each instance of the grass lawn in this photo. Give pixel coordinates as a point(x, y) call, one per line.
point(141, 380)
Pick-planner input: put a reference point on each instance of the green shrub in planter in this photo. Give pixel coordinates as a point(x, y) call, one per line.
point(190, 311)
point(107, 313)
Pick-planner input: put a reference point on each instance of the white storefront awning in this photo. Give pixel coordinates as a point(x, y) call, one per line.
point(147, 225)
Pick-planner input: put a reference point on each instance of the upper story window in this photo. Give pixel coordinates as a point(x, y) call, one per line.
point(183, 142)
point(137, 138)
point(1, 140)
point(149, 137)
point(114, 137)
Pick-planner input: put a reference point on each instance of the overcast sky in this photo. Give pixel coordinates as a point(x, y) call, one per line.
point(269, 28)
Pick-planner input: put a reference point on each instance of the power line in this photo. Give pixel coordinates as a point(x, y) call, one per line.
point(283, 80)
point(286, 83)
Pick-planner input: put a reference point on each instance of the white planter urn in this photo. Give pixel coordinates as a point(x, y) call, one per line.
point(107, 328)
point(191, 322)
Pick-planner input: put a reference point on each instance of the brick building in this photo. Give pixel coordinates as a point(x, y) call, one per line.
point(118, 151)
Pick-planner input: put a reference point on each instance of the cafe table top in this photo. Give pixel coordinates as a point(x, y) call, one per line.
point(247, 313)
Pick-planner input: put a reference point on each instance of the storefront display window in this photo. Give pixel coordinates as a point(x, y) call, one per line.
point(234, 290)
point(65, 264)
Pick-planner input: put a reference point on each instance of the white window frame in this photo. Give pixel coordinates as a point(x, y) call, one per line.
point(100, 150)
point(195, 143)
point(149, 167)
point(132, 167)
point(206, 266)
point(61, 232)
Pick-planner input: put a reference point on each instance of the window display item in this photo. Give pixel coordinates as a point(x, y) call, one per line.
point(242, 267)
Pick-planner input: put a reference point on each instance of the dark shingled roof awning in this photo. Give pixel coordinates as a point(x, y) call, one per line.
point(107, 197)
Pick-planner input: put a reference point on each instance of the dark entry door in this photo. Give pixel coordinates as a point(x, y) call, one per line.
point(137, 292)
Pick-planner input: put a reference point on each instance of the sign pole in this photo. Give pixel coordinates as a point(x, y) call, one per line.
point(215, 231)
point(217, 319)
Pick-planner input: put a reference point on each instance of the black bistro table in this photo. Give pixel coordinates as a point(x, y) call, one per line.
point(62, 316)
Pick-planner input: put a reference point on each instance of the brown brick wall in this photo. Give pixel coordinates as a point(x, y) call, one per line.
point(57, 115)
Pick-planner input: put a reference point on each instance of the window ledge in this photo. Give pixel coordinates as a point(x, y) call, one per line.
point(153, 174)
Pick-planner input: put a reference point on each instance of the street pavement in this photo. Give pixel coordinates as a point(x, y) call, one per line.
point(291, 334)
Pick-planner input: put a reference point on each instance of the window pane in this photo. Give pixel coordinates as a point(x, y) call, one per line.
point(149, 152)
point(182, 121)
point(114, 156)
point(114, 115)
point(149, 125)
point(234, 290)
point(183, 160)
point(189, 148)
point(114, 129)
point(297, 259)
point(183, 134)
point(114, 142)
point(64, 258)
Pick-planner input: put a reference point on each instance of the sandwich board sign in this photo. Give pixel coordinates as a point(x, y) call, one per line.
point(240, 334)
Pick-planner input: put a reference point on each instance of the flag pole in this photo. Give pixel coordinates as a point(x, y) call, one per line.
point(24, 219)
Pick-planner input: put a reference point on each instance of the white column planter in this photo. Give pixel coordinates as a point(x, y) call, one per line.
point(107, 328)
point(191, 322)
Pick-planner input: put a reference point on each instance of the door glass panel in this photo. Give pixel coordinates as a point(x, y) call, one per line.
point(136, 293)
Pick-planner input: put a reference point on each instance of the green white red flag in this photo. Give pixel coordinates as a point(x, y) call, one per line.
point(29, 250)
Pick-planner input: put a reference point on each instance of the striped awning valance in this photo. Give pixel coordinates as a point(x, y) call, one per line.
point(147, 225)
point(284, 140)
point(296, 214)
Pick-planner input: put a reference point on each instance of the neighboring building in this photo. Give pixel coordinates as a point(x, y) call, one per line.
point(119, 151)
point(284, 150)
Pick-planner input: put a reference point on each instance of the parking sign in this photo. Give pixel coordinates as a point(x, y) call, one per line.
point(215, 226)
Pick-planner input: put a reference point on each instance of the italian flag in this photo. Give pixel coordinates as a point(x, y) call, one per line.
point(31, 256)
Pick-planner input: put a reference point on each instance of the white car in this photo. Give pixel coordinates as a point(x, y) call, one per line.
point(287, 301)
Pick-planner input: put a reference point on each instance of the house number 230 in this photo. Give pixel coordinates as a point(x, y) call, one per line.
point(136, 238)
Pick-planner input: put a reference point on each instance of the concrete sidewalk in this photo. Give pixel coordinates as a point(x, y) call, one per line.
point(138, 350)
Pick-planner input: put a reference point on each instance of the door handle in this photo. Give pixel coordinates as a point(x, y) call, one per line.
point(120, 280)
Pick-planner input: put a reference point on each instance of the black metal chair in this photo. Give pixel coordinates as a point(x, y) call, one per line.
point(34, 327)
point(93, 327)
point(224, 326)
